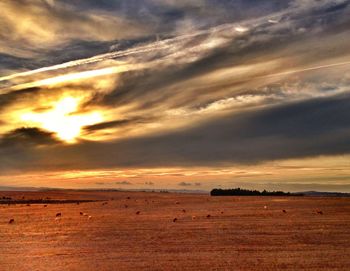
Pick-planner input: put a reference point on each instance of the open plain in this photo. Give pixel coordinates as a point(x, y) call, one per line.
point(169, 231)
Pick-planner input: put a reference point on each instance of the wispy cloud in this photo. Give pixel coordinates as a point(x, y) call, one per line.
point(124, 183)
point(28, 27)
point(184, 184)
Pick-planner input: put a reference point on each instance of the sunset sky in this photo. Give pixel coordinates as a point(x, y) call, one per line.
point(175, 94)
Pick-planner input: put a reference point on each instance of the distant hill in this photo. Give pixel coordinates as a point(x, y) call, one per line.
point(325, 194)
point(47, 189)
point(13, 188)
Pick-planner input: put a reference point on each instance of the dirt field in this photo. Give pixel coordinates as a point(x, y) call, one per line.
point(240, 234)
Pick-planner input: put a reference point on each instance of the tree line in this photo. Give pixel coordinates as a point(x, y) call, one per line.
point(246, 192)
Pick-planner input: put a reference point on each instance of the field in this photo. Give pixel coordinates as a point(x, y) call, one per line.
point(210, 233)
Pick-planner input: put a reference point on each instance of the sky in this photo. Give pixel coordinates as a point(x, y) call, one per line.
point(175, 94)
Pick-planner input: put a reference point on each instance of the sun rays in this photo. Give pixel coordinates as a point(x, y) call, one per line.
point(62, 119)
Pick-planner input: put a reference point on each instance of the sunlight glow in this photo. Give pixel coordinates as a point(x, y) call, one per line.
point(62, 120)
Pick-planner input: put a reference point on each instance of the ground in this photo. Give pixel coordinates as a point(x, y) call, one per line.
point(242, 233)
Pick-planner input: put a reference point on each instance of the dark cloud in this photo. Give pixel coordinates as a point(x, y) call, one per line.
point(9, 62)
point(310, 128)
point(302, 129)
point(26, 135)
point(18, 96)
point(166, 15)
point(105, 125)
point(337, 6)
point(115, 124)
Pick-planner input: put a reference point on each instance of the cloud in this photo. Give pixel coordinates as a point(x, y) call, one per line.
point(116, 124)
point(184, 184)
point(123, 183)
point(28, 135)
point(213, 96)
point(189, 184)
point(301, 129)
point(43, 26)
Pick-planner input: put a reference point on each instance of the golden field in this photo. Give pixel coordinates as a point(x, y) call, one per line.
point(209, 233)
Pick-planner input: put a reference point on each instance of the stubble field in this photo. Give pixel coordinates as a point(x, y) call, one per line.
point(168, 231)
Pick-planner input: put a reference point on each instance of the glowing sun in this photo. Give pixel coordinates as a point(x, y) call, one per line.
point(62, 120)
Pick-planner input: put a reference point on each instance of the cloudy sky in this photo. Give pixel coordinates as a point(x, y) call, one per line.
point(183, 94)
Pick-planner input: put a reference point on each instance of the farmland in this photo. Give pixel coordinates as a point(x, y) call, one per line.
point(138, 231)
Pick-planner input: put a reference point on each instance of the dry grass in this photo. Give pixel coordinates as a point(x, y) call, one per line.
point(240, 233)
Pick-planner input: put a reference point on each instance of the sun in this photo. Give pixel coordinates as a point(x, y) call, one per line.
point(63, 120)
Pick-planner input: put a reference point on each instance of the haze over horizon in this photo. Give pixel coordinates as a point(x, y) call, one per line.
point(165, 94)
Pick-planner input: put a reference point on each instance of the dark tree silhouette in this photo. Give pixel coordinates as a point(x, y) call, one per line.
point(246, 192)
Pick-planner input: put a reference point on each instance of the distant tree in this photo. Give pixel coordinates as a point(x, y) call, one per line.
point(246, 192)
